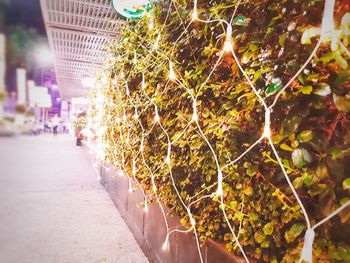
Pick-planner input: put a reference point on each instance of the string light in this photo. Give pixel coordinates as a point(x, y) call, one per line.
point(195, 115)
point(135, 58)
point(130, 187)
point(327, 32)
point(156, 117)
point(166, 244)
point(194, 15)
point(228, 42)
point(267, 130)
point(156, 43)
point(172, 75)
point(143, 85)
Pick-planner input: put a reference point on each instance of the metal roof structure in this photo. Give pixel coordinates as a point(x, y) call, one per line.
point(78, 33)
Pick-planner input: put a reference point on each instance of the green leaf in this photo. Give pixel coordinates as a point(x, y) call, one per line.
point(306, 89)
point(346, 184)
point(340, 60)
point(273, 88)
point(324, 90)
point(268, 229)
point(306, 136)
point(342, 102)
point(294, 232)
point(286, 147)
point(301, 157)
point(241, 21)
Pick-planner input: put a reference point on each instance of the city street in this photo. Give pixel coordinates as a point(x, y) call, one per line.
point(52, 208)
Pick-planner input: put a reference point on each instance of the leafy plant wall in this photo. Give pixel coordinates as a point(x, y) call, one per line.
point(145, 121)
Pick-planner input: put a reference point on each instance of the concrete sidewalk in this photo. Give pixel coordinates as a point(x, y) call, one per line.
point(52, 208)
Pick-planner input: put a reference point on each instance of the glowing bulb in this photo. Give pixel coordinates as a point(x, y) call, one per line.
point(155, 45)
point(195, 115)
point(172, 75)
point(143, 85)
point(134, 167)
point(127, 140)
point(228, 41)
point(166, 244)
point(193, 222)
point(267, 130)
point(146, 207)
point(167, 159)
point(154, 188)
point(151, 23)
point(136, 115)
point(306, 254)
point(130, 189)
point(124, 116)
point(135, 58)
point(194, 15)
point(156, 118)
point(127, 90)
point(228, 46)
point(107, 169)
point(219, 191)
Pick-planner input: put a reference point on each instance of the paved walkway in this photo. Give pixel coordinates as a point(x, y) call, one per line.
point(53, 210)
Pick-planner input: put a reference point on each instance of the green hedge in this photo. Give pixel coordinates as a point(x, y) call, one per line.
point(310, 122)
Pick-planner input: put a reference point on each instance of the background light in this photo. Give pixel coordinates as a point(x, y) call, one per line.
point(88, 82)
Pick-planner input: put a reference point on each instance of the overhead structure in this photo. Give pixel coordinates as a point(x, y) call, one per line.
point(79, 32)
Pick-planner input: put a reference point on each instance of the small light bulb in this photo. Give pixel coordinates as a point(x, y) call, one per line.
point(228, 41)
point(306, 254)
point(193, 222)
point(146, 207)
point(172, 75)
point(166, 244)
point(267, 130)
point(228, 46)
point(127, 140)
point(135, 58)
point(130, 189)
point(143, 85)
point(134, 168)
point(155, 45)
point(127, 90)
point(154, 188)
point(124, 116)
point(156, 118)
point(194, 15)
point(219, 190)
point(151, 24)
point(167, 159)
point(195, 116)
